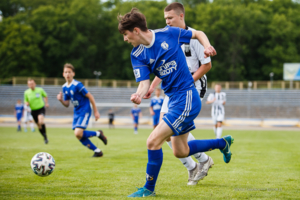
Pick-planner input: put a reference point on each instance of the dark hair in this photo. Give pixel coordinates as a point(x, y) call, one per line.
point(70, 66)
point(177, 7)
point(131, 20)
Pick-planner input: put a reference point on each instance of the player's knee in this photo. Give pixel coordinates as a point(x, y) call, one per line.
point(78, 134)
point(151, 144)
point(168, 139)
point(179, 154)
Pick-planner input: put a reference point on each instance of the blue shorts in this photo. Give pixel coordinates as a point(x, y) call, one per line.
point(19, 116)
point(136, 120)
point(81, 121)
point(156, 119)
point(183, 109)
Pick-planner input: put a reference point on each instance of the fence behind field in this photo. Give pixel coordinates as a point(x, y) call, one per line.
point(255, 85)
point(240, 103)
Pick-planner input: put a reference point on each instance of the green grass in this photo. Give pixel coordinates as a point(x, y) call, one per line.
point(265, 165)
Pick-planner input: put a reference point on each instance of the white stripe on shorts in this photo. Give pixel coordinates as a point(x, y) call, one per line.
point(186, 111)
point(83, 123)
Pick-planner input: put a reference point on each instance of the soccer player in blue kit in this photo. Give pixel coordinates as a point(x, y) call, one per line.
point(155, 106)
point(75, 92)
point(135, 114)
point(19, 113)
point(159, 52)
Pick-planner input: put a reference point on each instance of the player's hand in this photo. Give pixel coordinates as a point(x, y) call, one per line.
point(148, 95)
point(135, 98)
point(47, 105)
point(97, 115)
point(209, 51)
point(152, 113)
point(59, 96)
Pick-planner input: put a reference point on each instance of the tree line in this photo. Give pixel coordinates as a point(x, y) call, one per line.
point(252, 37)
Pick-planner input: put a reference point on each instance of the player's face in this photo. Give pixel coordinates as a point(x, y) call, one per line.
point(68, 74)
point(131, 37)
point(31, 84)
point(173, 19)
point(157, 93)
point(218, 88)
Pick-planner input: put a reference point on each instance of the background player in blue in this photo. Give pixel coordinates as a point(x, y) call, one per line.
point(19, 113)
point(135, 114)
point(159, 52)
point(155, 106)
point(76, 92)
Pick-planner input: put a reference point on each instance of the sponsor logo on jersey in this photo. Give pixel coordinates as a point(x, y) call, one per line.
point(165, 46)
point(167, 68)
point(149, 178)
point(151, 61)
point(137, 73)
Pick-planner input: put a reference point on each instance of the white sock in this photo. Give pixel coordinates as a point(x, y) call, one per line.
point(31, 126)
point(97, 150)
point(97, 134)
point(215, 131)
point(25, 126)
point(219, 132)
point(201, 157)
point(188, 162)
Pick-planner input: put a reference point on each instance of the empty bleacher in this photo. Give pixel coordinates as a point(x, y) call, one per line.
point(240, 103)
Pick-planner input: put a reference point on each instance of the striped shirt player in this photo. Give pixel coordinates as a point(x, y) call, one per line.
point(218, 100)
point(28, 118)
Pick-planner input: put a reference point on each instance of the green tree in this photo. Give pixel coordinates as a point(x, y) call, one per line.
point(19, 51)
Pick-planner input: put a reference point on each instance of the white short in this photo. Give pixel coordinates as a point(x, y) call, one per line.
point(28, 117)
point(218, 118)
point(164, 108)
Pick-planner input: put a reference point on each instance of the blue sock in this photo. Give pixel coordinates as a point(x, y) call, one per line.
point(155, 159)
point(197, 146)
point(86, 142)
point(87, 134)
point(135, 128)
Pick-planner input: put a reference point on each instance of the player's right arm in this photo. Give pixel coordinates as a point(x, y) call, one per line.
point(60, 98)
point(142, 75)
point(210, 99)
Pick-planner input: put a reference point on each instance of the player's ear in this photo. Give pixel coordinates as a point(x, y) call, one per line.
point(136, 30)
point(181, 16)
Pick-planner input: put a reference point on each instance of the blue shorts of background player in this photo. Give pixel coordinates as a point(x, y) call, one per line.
point(156, 118)
point(19, 116)
point(136, 120)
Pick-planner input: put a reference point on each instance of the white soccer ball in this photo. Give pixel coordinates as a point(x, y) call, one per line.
point(42, 164)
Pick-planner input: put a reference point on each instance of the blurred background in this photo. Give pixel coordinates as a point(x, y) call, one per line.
point(258, 45)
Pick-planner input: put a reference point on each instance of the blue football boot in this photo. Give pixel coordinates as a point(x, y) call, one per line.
point(142, 192)
point(226, 151)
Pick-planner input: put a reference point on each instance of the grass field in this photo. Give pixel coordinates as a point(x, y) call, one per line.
point(265, 165)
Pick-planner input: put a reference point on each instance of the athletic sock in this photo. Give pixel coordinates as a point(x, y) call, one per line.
point(97, 150)
point(188, 162)
point(155, 159)
point(215, 131)
point(86, 142)
point(19, 127)
point(201, 157)
point(42, 133)
point(219, 132)
point(206, 145)
point(43, 129)
point(87, 134)
point(135, 128)
point(32, 126)
point(25, 126)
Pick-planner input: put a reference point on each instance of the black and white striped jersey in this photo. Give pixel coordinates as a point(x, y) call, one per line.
point(217, 106)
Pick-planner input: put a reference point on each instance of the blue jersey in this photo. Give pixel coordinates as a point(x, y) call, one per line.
point(156, 104)
point(76, 93)
point(135, 112)
point(165, 59)
point(19, 109)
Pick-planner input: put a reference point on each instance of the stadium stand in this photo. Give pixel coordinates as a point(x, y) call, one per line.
point(240, 103)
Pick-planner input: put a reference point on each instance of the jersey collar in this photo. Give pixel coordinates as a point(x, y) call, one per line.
point(70, 83)
point(153, 40)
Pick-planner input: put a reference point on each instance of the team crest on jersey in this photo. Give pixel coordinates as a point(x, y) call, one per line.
point(165, 45)
point(72, 92)
point(149, 178)
point(137, 73)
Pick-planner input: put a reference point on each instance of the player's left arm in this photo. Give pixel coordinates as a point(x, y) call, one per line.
point(202, 38)
point(92, 100)
point(141, 91)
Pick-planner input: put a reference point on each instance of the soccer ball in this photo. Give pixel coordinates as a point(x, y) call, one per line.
point(42, 164)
